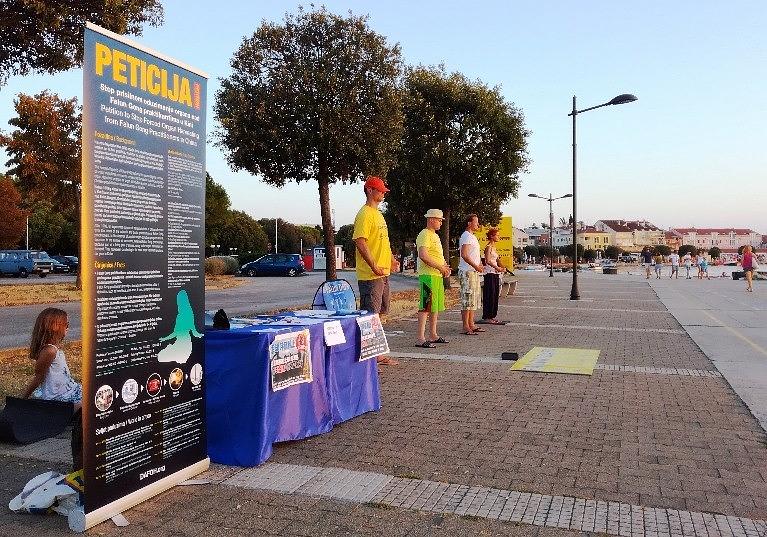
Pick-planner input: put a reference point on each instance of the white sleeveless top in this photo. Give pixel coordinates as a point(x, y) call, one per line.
point(492, 257)
point(58, 384)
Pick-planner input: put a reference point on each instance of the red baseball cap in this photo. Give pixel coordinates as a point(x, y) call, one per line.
point(376, 183)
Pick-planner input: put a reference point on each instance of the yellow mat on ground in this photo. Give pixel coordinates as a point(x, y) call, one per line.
point(554, 360)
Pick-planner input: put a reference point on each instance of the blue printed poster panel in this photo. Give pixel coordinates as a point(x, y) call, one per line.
point(143, 217)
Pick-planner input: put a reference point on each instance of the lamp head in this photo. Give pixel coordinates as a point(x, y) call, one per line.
point(533, 196)
point(567, 196)
point(623, 99)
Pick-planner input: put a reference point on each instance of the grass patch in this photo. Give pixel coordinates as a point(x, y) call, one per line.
point(26, 294)
point(378, 505)
point(404, 304)
point(32, 294)
point(16, 368)
point(216, 283)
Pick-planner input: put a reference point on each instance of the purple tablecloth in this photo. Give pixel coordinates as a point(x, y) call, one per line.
point(244, 416)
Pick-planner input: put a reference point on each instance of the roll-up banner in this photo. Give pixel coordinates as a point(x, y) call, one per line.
point(143, 232)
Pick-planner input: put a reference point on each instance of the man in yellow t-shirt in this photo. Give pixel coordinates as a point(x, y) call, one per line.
point(431, 269)
point(374, 259)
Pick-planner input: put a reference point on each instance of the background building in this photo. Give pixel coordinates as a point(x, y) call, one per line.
point(591, 237)
point(723, 238)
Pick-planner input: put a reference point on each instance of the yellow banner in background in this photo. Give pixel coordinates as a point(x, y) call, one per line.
point(505, 244)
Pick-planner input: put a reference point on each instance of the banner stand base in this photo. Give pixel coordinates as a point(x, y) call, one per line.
point(79, 521)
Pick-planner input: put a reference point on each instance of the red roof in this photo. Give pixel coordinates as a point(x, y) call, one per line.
point(712, 230)
point(630, 225)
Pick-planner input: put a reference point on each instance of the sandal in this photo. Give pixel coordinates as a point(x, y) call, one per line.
point(426, 345)
point(469, 333)
point(479, 330)
point(439, 340)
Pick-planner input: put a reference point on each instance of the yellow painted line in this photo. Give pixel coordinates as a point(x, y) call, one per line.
point(737, 334)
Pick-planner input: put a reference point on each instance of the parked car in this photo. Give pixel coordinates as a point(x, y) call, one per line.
point(43, 262)
point(59, 267)
point(274, 265)
point(16, 262)
point(68, 260)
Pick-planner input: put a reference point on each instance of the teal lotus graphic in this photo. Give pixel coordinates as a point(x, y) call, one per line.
point(180, 348)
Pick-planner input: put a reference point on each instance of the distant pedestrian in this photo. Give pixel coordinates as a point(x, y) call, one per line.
point(374, 259)
point(687, 260)
point(747, 262)
point(431, 269)
point(658, 264)
point(674, 259)
point(702, 266)
point(647, 261)
point(469, 269)
point(491, 287)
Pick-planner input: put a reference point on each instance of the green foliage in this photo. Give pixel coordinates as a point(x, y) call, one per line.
point(313, 98)
point(217, 211)
point(244, 233)
point(546, 251)
point(311, 235)
point(589, 254)
point(661, 249)
point(687, 249)
point(344, 238)
point(462, 150)
point(13, 224)
point(288, 235)
point(531, 250)
point(46, 226)
point(715, 252)
point(567, 250)
point(224, 264)
point(47, 37)
point(519, 254)
point(214, 266)
point(613, 252)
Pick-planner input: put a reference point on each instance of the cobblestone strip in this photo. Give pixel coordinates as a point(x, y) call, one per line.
point(563, 512)
point(560, 308)
point(603, 367)
point(581, 327)
point(659, 370)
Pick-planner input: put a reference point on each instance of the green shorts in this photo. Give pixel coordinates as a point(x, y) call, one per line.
point(432, 293)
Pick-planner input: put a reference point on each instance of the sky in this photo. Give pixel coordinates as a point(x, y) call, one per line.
point(690, 152)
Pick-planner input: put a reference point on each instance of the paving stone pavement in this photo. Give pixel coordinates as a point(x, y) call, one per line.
point(654, 442)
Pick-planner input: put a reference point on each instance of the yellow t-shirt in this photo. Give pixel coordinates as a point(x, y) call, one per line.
point(430, 240)
point(371, 225)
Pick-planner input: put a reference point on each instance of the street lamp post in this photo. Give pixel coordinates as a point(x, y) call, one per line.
point(620, 99)
point(551, 226)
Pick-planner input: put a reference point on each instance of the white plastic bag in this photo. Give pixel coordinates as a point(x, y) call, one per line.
point(45, 493)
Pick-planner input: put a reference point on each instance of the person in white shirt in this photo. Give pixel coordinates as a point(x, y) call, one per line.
point(674, 258)
point(687, 259)
point(469, 269)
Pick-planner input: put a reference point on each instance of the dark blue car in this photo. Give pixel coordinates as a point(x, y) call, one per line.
point(274, 265)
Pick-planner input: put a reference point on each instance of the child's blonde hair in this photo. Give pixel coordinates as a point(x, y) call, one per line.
point(50, 326)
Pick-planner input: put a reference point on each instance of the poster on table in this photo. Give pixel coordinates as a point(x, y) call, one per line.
point(143, 229)
point(372, 337)
point(290, 359)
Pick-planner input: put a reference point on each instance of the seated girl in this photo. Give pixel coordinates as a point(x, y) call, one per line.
point(51, 380)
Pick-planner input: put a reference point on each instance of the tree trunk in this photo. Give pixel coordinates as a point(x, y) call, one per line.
point(446, 243)
point(327, 224)
point(402, 252)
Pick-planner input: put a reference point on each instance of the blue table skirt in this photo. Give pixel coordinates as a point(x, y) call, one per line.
point(244, 416)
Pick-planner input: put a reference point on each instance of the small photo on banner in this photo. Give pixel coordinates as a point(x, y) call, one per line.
point(558, 360)
point(372, 337)
point(290, 359)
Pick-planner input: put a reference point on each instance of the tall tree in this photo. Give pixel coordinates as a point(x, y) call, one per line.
point(13, 224)
point(46, 226)
point(244, 233)
point(344, 238)
point(47, 37)
point(313, 98)
point(462, 151)
point(217, 211)
point(45, 150)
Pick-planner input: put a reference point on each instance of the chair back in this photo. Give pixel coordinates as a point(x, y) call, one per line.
point(335, 295)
